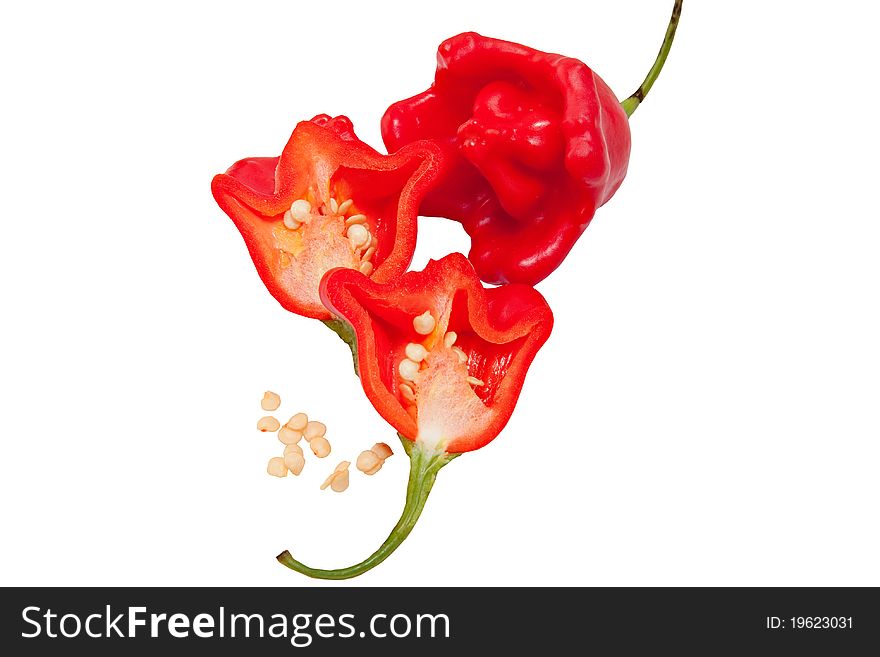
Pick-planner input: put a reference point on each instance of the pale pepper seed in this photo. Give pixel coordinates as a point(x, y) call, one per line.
point(271, 401)
point(338, 479)
point(408, 393)
point(268, 423)
point(289, 436)
point(301, 210)
point(276, 467)
point(370, 461)
point(357, 235)
point(294, 462)
point(408, 369)
point(298, 422)
point(293, 458)
point(424, 324)
point(416, 352)
point(382, 450)
point(314, 429)
point(320, 446)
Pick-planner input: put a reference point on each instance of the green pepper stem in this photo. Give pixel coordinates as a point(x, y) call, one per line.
point(346, 333)
point(631, 103)
point(423, 469)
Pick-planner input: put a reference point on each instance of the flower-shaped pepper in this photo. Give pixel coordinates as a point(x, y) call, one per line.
point(328, 201)
point(537, 142)
point(443, 360)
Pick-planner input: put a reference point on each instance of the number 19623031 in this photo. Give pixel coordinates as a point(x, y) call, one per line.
point(810, 623)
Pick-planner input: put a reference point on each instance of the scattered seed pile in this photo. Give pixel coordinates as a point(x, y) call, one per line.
point(293, 460)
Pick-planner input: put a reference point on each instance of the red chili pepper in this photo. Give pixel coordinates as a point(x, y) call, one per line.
point(448, 330)
point(328, 201)
point(443, 360)
point(537, 142)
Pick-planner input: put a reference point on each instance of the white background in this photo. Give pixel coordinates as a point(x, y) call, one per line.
point(705, 412)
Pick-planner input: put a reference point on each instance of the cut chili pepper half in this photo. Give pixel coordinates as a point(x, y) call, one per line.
point(328, 201)
point(443, 360)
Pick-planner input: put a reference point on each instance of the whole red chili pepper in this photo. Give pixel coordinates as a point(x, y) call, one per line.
point(443, 360)
point(328, 201)
point(537, 142)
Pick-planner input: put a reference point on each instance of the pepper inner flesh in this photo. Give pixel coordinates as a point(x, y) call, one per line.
point(319, 243)
point(451, 390)
point(345, 217)
point(446, 404)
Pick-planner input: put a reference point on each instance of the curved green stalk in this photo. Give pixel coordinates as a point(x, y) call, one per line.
point(631, 103)
point(423, 469)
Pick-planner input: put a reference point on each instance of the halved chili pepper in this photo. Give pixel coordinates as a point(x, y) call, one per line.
point(328, 201)
point(537, 142)
point(443, 360)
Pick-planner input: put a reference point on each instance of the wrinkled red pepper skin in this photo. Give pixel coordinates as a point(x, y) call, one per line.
point(500, 329)
point(255, 192)
point(536, 141)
